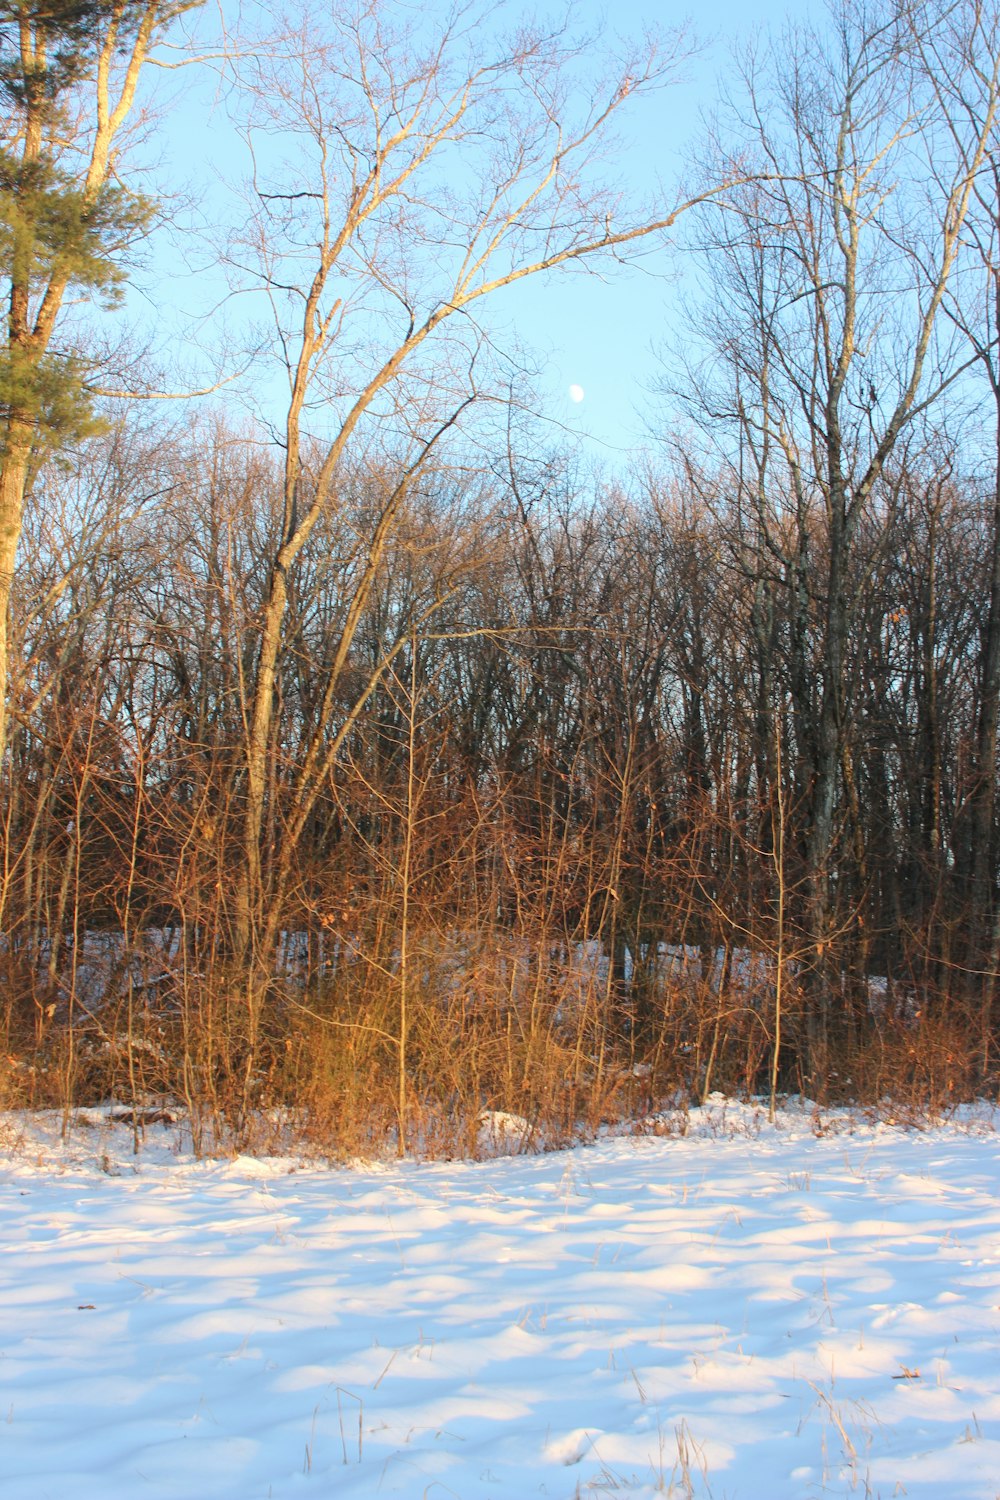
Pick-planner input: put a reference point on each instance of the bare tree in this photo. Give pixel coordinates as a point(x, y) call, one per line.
point(962, 66)
point(832, 268)
point(402, 178)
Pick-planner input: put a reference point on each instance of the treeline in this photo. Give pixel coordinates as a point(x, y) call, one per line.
point(555, 852)
point(371, 766)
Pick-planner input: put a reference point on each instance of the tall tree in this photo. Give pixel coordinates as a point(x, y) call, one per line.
point(834, 266)
point(69, 72)
point(962, 64)
point(429, 169)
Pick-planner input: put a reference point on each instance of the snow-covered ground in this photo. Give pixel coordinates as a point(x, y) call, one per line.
point(743, 1312)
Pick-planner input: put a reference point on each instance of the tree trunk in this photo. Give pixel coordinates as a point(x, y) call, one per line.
point(13, 481)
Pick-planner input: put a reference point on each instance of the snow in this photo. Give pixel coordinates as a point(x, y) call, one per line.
point(746, 1311)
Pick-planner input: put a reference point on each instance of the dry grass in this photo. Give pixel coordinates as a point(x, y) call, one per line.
point(500, 1026)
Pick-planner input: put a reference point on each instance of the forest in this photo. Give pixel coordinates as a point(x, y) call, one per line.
point(372, 758)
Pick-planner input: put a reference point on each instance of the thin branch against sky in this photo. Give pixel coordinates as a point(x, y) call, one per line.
point(594, 338)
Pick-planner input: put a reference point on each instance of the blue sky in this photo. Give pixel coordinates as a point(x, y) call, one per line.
point(600, 335)
point(607, 337)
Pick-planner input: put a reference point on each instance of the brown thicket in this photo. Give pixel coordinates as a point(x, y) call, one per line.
point(371, 787)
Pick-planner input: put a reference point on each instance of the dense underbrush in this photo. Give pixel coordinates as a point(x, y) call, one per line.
point(354, 1066)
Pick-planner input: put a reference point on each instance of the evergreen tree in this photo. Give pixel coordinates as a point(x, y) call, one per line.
point(69, 70)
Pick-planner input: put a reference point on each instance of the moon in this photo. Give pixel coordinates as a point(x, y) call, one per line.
point(576, 393)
